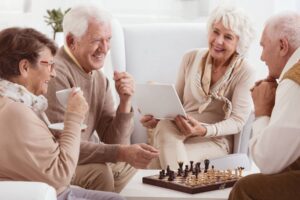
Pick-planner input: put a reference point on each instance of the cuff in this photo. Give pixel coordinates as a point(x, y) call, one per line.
point(211, 130)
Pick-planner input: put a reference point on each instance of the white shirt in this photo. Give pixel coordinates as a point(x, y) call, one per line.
point(276, 140)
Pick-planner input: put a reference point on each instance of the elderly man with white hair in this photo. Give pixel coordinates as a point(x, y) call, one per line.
point(213, 85)
point(275, 146)
point(110, 164)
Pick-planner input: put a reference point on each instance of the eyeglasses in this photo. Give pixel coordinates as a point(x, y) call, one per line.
point(50, 64)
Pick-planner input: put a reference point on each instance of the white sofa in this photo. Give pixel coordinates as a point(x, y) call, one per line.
point(21, 190)
point(153, 52)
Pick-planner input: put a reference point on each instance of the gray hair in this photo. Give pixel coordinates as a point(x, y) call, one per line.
point(285, 25)
point(76, 21)
point(236, 20)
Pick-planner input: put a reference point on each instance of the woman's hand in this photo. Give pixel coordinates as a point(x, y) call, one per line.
point(190, 126)
point(149, 121)
point(77, 103)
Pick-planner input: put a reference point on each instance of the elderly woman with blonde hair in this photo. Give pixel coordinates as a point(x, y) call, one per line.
point(213, 85)
point(29, 150)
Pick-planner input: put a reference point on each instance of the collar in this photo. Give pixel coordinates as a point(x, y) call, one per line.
point(68, 51)
point(290, 63)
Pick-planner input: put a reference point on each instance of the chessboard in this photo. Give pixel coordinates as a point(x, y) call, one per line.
point(195, 179)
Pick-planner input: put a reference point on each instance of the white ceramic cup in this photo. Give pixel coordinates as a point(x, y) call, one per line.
point(63, 95)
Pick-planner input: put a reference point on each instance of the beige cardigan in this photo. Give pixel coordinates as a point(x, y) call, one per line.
point(238, 93)
point(28, 150)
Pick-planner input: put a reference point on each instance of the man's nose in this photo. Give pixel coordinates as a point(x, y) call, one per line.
point(104, 46)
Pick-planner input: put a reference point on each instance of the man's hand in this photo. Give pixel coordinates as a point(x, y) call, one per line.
point(149, 121)
point(263, 96)
point(137, 155)
point(190, 126)
point(124, 84)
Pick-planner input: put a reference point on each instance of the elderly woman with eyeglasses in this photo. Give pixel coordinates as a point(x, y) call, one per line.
point(28, 149)
point(213, 85)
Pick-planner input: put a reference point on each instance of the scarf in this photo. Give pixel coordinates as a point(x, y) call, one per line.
point(20, 94)
point(201, 82)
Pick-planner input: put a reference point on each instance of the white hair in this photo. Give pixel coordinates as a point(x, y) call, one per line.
point(285, 25)
point(236, 20)
point(76, 21)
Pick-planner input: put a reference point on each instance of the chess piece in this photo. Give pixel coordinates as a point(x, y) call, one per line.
point(168, 170)
point(191, 166)
point(171, 176)
point(206, 165)
point(186, 173)
point(161, 175)
point(180, 163)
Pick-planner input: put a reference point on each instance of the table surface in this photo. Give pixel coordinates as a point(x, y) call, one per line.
point(136, 190)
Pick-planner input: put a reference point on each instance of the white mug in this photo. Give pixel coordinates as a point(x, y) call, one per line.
point(63, 95)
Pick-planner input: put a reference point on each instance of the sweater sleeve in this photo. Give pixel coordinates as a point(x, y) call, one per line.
point(241, 107)
point(114, 127)
point(42, 157)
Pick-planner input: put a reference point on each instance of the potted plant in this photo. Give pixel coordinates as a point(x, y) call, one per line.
point(54, 19)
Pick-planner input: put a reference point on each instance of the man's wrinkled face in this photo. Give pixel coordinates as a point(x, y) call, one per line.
point(90, 50)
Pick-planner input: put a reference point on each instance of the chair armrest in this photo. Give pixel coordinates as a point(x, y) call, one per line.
point(16, 190)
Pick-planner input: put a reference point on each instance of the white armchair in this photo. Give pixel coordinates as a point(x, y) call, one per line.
point(153, 52)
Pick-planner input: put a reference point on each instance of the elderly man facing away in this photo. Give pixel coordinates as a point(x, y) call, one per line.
point(275, 146)
point(110, 164)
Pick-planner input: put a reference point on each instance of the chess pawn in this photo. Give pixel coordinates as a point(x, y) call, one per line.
point(168, 170)
point(191, 166)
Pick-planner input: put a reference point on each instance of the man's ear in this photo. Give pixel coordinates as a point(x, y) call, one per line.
point(24, 67)
point(70, 40)
point(284, 46)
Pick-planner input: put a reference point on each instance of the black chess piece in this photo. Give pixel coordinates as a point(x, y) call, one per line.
point(163, 172)
point(186, 173)
point(186, 168)
point(179, 172)
point(180, 163)
point(191, 166)
point(197, 172)
point(206, 165)
point(161, 175)
point(168, 170)
point(171, 176)
point(198, 166)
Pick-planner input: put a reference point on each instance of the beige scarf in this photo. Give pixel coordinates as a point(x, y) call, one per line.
point(20, 94)
point(201, 82)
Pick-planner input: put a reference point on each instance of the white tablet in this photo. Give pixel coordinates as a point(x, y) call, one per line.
point(159, 100)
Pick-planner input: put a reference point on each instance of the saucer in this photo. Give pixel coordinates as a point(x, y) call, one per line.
point(60, 126)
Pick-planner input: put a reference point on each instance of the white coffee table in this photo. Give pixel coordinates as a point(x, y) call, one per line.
point(136, 190)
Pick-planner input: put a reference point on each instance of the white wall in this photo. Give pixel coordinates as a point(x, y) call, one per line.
point(30, 13)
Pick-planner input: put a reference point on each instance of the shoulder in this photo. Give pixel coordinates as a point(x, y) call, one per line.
point(16, 111)
point(191, 54)
point(293, 73)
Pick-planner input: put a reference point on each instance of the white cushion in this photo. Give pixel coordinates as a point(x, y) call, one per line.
point(21, 190)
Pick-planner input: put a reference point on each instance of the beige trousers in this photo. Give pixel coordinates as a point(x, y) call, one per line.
point(104, 177)
point(174, 147)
